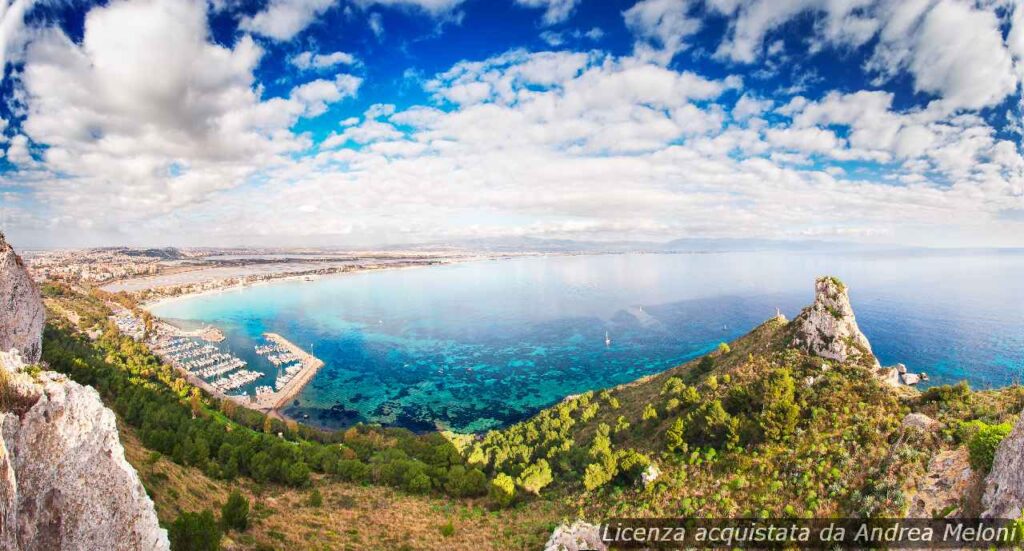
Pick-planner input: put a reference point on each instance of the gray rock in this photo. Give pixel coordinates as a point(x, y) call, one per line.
point(21, 310)
point(64, 481)
point(920, 421)
point(576, 537)
point(901, 368)
point(911, 379)
point(1004, 485)
point(828, 329)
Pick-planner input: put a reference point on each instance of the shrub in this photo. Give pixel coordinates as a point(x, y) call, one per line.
point(650, 413)
point(595, 476)
point(316, 499)
point(710, 425)
point(535, 477)
point(982, 446)
point(194, 532)
point(462, 482)
point(502, 490)
point(675, 437)
point(234, 515)
point(723, 348)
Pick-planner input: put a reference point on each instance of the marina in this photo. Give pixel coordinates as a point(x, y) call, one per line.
point(296, 368)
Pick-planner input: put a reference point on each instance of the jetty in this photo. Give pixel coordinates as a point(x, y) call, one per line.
point(296, 376)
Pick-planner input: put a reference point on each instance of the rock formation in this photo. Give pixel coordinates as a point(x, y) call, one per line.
point(576, 537)
point(21, 312)
point(1004, 486)
point(64, 481)
point(828, 328)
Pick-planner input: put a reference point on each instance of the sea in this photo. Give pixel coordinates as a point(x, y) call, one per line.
point(479, 345)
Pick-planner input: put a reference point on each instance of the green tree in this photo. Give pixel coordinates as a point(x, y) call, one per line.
point(723, 348)
point(711, 425)
point(779, 413)
point(234, 515)
point(194, 532)
point(595, 476)
point(502, 490)
point(649, 413)
point(535, 477)
point(675, 436)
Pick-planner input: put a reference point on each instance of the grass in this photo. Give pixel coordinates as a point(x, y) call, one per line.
point(352, 516)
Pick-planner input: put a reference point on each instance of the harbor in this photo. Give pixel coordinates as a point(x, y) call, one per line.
point(221, 373)
point(295, 366)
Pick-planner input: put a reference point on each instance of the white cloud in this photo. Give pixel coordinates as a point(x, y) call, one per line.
point(953, 51)
point(310, 60)
point(661, 28)
point(283, 19)
point(555, 11)
point(125, 138)
point(12, 26)
point(433, 7)
point(315, 96)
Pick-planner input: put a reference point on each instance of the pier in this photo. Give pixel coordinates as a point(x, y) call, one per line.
point(297, 375)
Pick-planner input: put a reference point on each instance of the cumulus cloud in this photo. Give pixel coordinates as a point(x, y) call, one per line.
point(310, 60)
point(283, 19)
point(555, 11)
point(12, 26)
point(121, 135)
point(661, 27)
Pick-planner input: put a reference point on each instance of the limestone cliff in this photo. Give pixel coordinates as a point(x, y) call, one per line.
point(64, 480)
point(21, 312)
point(1004, 486)
point(828, 328)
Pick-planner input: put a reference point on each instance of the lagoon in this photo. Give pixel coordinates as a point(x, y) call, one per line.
point(479, 345)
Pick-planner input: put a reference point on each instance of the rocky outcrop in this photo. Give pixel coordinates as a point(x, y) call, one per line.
point(64, 480)
point(1004, 486)
point(21, 311)
point(828, 329)
point(940, 493)
point(576, 537)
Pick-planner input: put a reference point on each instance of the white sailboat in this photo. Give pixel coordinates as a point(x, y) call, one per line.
point(607, 339)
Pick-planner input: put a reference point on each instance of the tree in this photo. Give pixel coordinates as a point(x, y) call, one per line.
point(502, 490)
point(649, 413)
point(595, 476)
point(723, 348)
point(779, 413)
point(194, 532)
point(535, 477)
point(234, 515)
point(464, 482)
point(711, 425)
point(675, 437)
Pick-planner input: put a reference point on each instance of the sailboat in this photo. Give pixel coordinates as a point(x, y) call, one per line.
point(607, 339)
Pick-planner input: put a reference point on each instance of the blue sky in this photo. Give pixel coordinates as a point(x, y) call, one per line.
point(338, 122)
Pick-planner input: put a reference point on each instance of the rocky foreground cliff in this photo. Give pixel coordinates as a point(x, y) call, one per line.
point(64, 480)
point(21, 311)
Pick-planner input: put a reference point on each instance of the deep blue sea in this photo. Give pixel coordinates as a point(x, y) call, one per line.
point(483, 344)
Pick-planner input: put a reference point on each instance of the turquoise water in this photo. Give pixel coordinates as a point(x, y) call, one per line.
point(479, 345)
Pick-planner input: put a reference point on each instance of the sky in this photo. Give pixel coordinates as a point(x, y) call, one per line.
point(372, 122)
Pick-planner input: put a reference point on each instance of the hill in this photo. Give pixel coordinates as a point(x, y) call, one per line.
point(794, 419)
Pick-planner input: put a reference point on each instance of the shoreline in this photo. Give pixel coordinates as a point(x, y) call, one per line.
point(148, 304)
